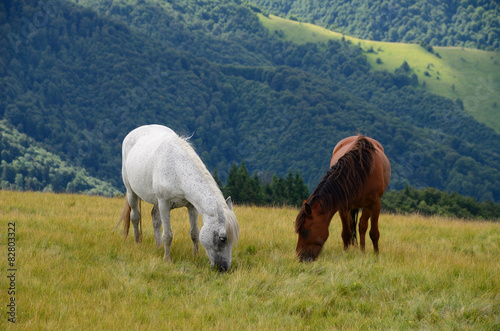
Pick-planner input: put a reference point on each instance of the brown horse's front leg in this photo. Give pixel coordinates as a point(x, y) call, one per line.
point(345, 217)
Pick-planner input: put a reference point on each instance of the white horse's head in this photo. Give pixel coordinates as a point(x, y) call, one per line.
point(218, 235)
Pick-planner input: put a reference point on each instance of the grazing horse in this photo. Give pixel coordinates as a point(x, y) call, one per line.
point(358, 177)
point(163, 169)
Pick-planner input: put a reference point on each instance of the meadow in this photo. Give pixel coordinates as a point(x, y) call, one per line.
point(75, 272)
point(468, 74)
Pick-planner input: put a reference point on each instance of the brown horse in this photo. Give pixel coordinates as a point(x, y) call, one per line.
point(358, 177)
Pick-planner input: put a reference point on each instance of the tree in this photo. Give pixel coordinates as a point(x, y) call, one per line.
point(240, 186)
point(279, 190)
point(244, 189)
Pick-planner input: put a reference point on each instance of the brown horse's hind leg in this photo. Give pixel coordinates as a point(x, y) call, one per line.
point(345, 217)
point(374, 233)
point(363, 226)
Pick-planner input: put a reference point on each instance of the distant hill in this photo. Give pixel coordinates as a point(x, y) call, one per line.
point(467, 23)
point(77, 78)
point(26, 165)
point(470, 75)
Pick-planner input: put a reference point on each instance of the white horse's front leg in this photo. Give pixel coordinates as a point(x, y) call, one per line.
point(155, 215)
point(167, 235)
point(195, 232)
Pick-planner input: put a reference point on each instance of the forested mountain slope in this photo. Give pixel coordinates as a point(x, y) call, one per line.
point(79, 77)
point(26, 165)
point(460, 23)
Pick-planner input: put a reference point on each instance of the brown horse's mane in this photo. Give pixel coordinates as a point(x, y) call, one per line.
point(342, 181)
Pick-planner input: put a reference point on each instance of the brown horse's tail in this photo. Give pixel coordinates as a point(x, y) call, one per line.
point(125, 218)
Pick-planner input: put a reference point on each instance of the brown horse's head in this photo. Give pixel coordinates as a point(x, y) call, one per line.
point(312, 226)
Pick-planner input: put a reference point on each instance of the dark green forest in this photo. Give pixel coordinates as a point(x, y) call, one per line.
point(459, 23)
point(77, 77)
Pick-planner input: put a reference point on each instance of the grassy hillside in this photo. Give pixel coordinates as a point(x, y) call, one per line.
point(456, 73)
point(74, 272)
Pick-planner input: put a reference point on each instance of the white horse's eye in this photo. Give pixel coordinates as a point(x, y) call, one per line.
point(222, 239)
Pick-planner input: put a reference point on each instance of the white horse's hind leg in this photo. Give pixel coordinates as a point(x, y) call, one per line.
point(135, 214)
point(167, 235)
point(155, 215)
point(195, 232)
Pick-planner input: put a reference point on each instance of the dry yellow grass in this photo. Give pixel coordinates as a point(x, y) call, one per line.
point(74, 272)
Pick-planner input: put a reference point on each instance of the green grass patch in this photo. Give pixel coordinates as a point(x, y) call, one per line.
point(74, 272)
point(468, 74)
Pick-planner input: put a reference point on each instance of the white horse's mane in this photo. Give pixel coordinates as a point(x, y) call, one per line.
point(188, 147)
point(232, 227)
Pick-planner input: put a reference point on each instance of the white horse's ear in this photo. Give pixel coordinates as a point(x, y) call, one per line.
point(229, 203)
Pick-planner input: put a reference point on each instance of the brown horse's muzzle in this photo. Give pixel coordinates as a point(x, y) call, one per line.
point(308, 253)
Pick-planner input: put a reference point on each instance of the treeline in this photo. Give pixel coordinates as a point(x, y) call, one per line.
point(431, 201)
point(466, 23)
point(263, 189)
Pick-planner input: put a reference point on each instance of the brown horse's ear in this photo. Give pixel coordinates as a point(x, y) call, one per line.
point(307, 208)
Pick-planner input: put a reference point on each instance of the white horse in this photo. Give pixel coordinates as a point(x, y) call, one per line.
point(163, 169)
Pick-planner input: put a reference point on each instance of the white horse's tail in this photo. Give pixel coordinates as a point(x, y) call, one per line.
point(125, 218)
